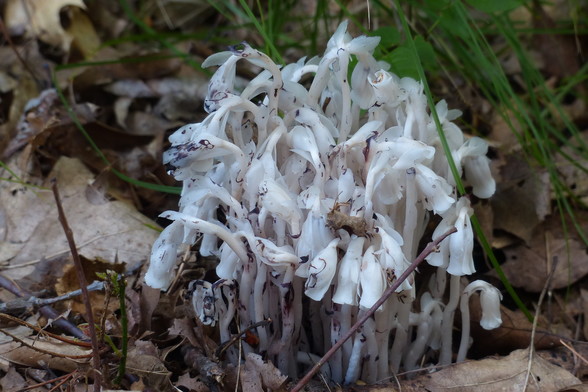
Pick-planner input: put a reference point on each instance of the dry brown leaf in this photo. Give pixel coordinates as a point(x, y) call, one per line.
point(69, 282)
point(513, 333)
point(40, 19)
point(113, 231)
point(12, 381)
point(528, 266)
point(143, 360)
point(193, 384)
point(522, 200)
point(271, 377)
point(495, 374)
point(18, 353)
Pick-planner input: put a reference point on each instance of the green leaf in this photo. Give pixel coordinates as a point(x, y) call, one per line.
point(389, 36)
point(491, 6)
point(402, 62)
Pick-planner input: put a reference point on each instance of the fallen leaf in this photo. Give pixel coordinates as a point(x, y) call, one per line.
point(40, 19)
point(528, 266)
point(495, 374)
point(143, 361)
point(113, 231)
point(522, 199)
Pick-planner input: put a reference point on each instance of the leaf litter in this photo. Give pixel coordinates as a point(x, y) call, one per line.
point(128, 109)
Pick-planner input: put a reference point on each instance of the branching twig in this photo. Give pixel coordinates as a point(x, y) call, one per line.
point(389, 291)
point(47, 311)
point(43, 332)
point(83, 285)
point(31, 304)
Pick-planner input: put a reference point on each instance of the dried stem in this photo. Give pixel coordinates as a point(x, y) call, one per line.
point(430, 248)
point(83, 286)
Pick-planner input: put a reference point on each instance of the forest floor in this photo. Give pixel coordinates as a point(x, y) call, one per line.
point(88, 96)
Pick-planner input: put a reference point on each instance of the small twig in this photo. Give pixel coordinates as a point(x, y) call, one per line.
point(36, 348)
point(44, 332)
point(536, 318)
point(576, 353)
point(47, 311)
point(62, 379)
point(224, 346)
point(83, 285)
point(430, 248)
point(32, 303)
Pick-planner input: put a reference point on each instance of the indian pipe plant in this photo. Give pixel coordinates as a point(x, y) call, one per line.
point(326, 177)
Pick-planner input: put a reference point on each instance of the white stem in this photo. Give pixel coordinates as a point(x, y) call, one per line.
point(371, 353)
point(447, 324)
point(259, 289)
point(336, 361)
point(465, 327)
point(354, 369)
point(401, 337)
point(410, 215)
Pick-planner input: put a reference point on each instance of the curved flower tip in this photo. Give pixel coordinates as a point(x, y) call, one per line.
point(477, 167)
point(371, 279)
point(461, 243)
point(348, 278)
point(490, 298)
point(163, 257)
point(321, 271)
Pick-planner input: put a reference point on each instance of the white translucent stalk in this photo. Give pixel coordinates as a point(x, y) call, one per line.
point(345, 320)
point(410, 215)
point(401, 335)
point(464, 343)
point(336, 361)
point(447, 324)
point(285, 363)
point(354, 369)
point(371, 352)
point(259, 289)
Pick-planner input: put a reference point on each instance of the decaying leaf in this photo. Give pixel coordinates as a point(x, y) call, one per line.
point(40, 19)
point(66, 357)
point(495, 374)
point(34, 234)
point(528, 266)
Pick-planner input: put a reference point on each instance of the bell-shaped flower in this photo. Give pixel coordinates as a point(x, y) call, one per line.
point(321, 271)
point(222, 82)
point(273, 255)
point(280, 203)
point(391, 257)
point(472, 156)
point(163, 257)
point(348, 276)
point(315, 237)
point(436, 193)
point(461, 243)
point(490, 298)
point(372, 280)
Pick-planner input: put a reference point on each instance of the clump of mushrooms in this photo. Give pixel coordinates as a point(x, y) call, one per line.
point(313, 186)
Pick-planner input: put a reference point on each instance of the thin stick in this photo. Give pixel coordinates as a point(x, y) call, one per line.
point(31, 304)
point(83, 286)
point(47, 311)
point(430, 248)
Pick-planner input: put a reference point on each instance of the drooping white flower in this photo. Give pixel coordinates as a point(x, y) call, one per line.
point(348, 276)
point(321, 271)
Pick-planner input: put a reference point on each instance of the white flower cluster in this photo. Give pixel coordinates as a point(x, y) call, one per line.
point(313, 186)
